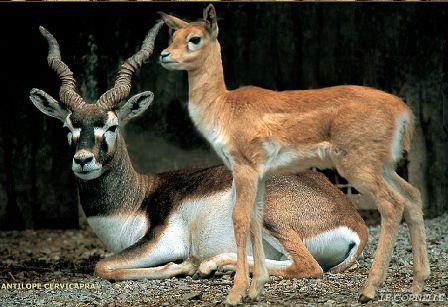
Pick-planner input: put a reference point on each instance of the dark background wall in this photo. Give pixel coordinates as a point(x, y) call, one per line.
point(399, 48)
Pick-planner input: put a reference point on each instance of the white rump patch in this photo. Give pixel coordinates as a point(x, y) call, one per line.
point(332, 247)
point(397, 139)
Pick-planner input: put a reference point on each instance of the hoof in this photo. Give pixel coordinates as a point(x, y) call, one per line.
point(319, 274)
point(257, 286)
point(417, 287)
point(208, 275)
point(354, 266)
point(255, 293)
point(364, 299)
point(236, 296)
point(367, 293)
point(233, 301)
point(207, 268)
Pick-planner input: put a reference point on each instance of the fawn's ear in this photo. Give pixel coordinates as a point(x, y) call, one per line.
point(135, 106)
point(48, 105)
point(173, 22)
point(211, 21)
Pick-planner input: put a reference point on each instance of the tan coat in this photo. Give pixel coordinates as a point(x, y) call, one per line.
point(362, 132)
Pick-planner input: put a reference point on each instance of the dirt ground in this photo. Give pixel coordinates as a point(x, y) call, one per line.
point(56, 259)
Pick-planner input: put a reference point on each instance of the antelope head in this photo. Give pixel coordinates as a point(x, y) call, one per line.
point(192, 43)
point(92, 128)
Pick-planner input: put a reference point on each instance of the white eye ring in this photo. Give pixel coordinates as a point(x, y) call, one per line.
point(194, 42)
point(110, 138)
point(192, 47)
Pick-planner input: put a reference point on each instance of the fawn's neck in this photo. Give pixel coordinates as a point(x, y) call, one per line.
point(206, 83)
point(119, 190)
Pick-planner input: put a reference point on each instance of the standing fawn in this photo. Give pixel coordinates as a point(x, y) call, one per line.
point(362, 132)
point(150, 220)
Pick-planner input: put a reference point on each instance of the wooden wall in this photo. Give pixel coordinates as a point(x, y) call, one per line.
point(400, 48)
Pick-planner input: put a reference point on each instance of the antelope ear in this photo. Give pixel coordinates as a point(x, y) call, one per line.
point(173, 22)
point(211, 21)
point(135, 106)
point(48, 105)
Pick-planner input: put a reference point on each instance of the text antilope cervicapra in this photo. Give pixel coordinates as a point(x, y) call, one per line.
point(149, 221)
point(360, 131)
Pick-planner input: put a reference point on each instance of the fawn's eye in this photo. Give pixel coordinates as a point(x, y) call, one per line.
point(193, 43)
point(195, 40)
point(112, 128)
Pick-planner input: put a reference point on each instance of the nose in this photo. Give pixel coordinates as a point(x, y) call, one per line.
point(164, 55)
point(83, 157)
point(83, 161)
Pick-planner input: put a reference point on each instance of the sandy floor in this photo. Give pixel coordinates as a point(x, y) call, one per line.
point(52, 259)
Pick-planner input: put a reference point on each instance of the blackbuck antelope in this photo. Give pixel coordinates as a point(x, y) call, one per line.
point(150, 221)
point(360, 131)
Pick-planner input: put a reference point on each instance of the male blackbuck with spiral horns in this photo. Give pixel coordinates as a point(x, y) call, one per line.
point(360, 131)
point(150, 220)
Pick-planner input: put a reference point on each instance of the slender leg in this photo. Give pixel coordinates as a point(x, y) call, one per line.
point(371, 181)
point(187, 267)
point(227, 261)
point(139, 260)
point(304, 264)
point(390, 205)
point(260, 273)
point(413, 216)
point(245, 181)
point(301, 265)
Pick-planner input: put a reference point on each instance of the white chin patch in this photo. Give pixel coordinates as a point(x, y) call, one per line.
point(90, 175)
point(171, 66)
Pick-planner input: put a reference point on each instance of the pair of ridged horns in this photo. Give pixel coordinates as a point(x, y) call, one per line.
point(112, 98)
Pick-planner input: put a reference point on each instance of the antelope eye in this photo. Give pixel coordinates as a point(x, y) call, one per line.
point(195, 40)
point(112, 128)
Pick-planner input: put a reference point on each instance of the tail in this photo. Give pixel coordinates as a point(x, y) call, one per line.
point(401, 139)
point(408, 131)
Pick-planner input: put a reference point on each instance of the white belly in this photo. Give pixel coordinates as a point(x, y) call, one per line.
point(203, 228)
point(211, 228)
point(286, 158)
point(118, 232)
point(210, 225)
